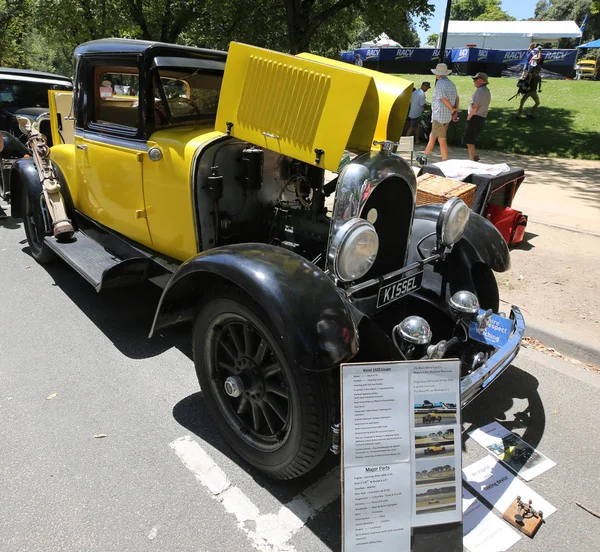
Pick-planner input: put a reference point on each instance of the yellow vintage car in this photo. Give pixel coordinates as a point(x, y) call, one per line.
point(587, 69)
point(262, 193)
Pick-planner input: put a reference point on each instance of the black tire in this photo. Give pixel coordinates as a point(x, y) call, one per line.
point(284, 437)
point(34, 231)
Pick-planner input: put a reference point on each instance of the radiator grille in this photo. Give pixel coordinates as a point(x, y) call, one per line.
point(283, 100)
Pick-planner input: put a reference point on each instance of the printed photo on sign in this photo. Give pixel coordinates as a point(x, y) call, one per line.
point(435, 471)
point(518, 455)
point(434, 443)
point(432, 409)
point(435, 500)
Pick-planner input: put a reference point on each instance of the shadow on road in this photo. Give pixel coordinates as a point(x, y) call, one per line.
point(496, 403)
point(123, 315)
point(193, 414)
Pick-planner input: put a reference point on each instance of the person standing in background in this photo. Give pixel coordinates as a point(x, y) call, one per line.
point(417, 104)
point(444, 108)
point(477, 114)
point(357, 61)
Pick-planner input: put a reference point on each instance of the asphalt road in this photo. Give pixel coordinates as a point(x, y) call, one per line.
point(107, 445)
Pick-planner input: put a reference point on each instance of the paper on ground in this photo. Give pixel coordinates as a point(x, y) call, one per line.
point(518, 455)
point(482, 530)
point(500, 487)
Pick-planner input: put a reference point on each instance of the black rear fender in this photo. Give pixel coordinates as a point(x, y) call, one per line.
point(305, 309)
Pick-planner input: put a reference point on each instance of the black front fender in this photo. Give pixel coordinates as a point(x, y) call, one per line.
point(469, 266)
point(305, 308)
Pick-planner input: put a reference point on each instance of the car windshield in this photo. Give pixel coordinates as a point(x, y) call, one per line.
point(186, 96)
point(17, 93)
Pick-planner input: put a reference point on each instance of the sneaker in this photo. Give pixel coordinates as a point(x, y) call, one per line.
point(530, 116)
point(476, 158)
point(421, 160)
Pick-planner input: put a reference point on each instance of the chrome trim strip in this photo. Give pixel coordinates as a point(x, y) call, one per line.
point(477, 381)
point(129, 143)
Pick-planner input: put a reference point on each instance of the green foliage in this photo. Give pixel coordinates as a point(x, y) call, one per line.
point(482, 10)
point(433, 39)
point(571, 10)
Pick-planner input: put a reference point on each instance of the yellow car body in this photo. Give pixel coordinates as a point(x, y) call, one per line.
point(587, 69)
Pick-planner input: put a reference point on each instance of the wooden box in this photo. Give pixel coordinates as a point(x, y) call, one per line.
point(432, 188)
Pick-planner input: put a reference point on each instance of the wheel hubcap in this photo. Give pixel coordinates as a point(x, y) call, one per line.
point(234, 386)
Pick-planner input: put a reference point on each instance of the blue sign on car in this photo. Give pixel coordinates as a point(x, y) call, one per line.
point(497, 332)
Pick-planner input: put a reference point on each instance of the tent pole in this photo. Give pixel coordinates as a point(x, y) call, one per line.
point(445, 33)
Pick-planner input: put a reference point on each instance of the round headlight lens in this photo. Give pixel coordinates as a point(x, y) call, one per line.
point(353, 249)
point(452, 221)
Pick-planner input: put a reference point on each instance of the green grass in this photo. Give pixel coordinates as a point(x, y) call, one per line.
point(567, 123)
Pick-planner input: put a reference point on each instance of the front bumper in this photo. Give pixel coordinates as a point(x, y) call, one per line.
point(477, 381)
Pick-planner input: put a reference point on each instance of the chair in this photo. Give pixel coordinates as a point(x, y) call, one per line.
point(405, 145)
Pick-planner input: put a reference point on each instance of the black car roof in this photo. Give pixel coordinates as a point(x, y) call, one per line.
point(36, 74)
point(145, 47)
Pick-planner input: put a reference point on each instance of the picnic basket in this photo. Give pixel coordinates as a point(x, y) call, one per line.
point(432, 188)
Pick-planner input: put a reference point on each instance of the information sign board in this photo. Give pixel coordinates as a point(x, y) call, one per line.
point(401, 451)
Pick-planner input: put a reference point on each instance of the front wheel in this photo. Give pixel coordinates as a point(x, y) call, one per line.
point(274, 414)
point(34, 230)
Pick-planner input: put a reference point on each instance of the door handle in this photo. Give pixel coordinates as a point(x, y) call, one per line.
point(82, 146)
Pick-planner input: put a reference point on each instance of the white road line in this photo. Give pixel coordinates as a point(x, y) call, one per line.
point(271, 532)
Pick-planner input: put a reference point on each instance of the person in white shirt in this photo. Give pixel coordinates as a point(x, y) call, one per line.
point(417, 104)
point(358, 61)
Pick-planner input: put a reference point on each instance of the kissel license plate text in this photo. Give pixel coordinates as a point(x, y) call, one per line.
point(400, 288)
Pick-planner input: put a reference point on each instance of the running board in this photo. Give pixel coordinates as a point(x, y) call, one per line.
point(99, 266)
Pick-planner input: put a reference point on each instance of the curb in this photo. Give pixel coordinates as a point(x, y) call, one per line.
point(564, 345)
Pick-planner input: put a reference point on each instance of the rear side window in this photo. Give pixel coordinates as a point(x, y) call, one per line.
point(116, 97)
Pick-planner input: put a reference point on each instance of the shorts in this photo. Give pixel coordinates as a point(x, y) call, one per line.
point(438, 130)
point(531, 94)
point(473, 128)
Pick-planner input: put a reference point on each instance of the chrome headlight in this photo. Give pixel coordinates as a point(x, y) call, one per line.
point(452, 221)
point(353, 249)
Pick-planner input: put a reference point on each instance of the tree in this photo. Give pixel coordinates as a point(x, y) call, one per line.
point(571, 10)
point(13, 30)
point(433, 39)
point(482, 10)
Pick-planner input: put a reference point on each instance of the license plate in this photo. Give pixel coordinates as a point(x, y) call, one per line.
point(496, 334)
point(398, 289)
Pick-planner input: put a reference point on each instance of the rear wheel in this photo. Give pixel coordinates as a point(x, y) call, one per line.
point(34, 230)
point(274, 414)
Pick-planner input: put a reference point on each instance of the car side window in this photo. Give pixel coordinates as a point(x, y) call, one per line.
point(116, 100)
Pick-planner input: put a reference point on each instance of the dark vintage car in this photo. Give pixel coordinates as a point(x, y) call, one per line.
point(23, 93)
point(247, 185)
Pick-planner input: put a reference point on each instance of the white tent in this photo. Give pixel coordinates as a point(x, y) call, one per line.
point(382, 41)
point(508, 35)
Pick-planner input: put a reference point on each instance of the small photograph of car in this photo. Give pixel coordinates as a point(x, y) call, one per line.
point(433, 471)
point(436, 499)
point(437, 409)
point(434, 450)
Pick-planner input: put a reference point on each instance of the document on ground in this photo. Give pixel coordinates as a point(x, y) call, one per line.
point(483, 531)
point(376, 421)
point(518, 455)
point(377, 504)
point(498, 486)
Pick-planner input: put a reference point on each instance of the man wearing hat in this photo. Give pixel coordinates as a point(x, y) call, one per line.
point(478, 110)
point(417, 103)
point(444, 108)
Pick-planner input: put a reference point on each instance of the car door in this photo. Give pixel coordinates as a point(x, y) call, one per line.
point(110, 147)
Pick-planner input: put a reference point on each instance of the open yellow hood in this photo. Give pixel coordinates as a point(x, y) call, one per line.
point(298, 104)
point(394, 95)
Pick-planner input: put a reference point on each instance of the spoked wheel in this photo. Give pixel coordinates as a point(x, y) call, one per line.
point(273, 413)
point(34, 230)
